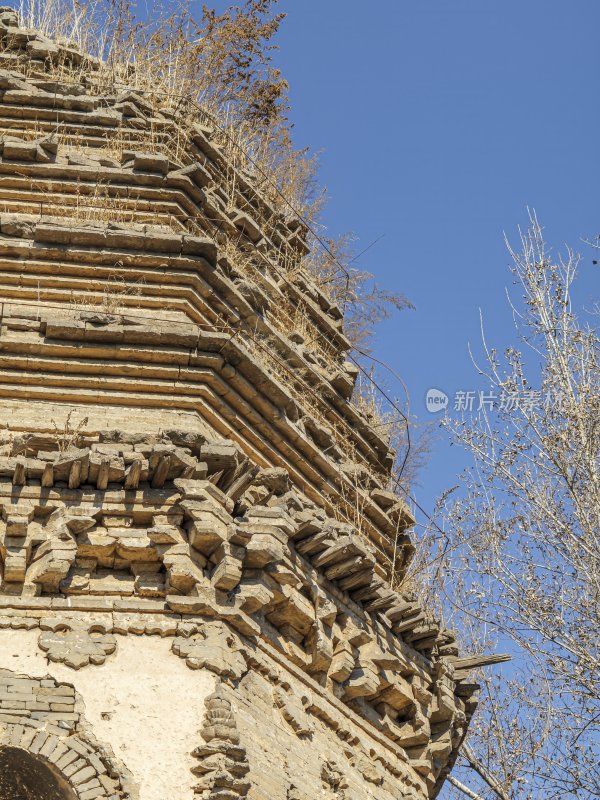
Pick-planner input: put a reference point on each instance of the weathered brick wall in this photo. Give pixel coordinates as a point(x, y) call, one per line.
point(299, 755)
point(42, 700)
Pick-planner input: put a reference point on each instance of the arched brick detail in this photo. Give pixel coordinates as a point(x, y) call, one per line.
point(24, 776)
point(69, 756)
point(43, 718)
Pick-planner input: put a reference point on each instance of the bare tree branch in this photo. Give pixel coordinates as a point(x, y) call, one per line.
point(475, 764)
point(464, 789)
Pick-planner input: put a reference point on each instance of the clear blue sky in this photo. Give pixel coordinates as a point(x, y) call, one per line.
point(440, 122)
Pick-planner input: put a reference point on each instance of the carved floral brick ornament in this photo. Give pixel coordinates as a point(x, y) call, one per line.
point(71, 643)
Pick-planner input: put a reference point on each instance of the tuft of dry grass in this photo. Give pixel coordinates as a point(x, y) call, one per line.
point(69, 435)
point(116, 295)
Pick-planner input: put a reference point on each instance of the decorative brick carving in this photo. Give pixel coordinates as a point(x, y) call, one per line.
point(215, 648)
point(292, 711)
point(370, 771)
point(71, 643)
point(223, 765)
point(334, 781)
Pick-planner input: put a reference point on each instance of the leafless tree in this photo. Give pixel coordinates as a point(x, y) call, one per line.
point(518, 553)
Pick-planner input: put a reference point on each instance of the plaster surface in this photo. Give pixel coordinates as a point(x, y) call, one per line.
point(145, 702)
